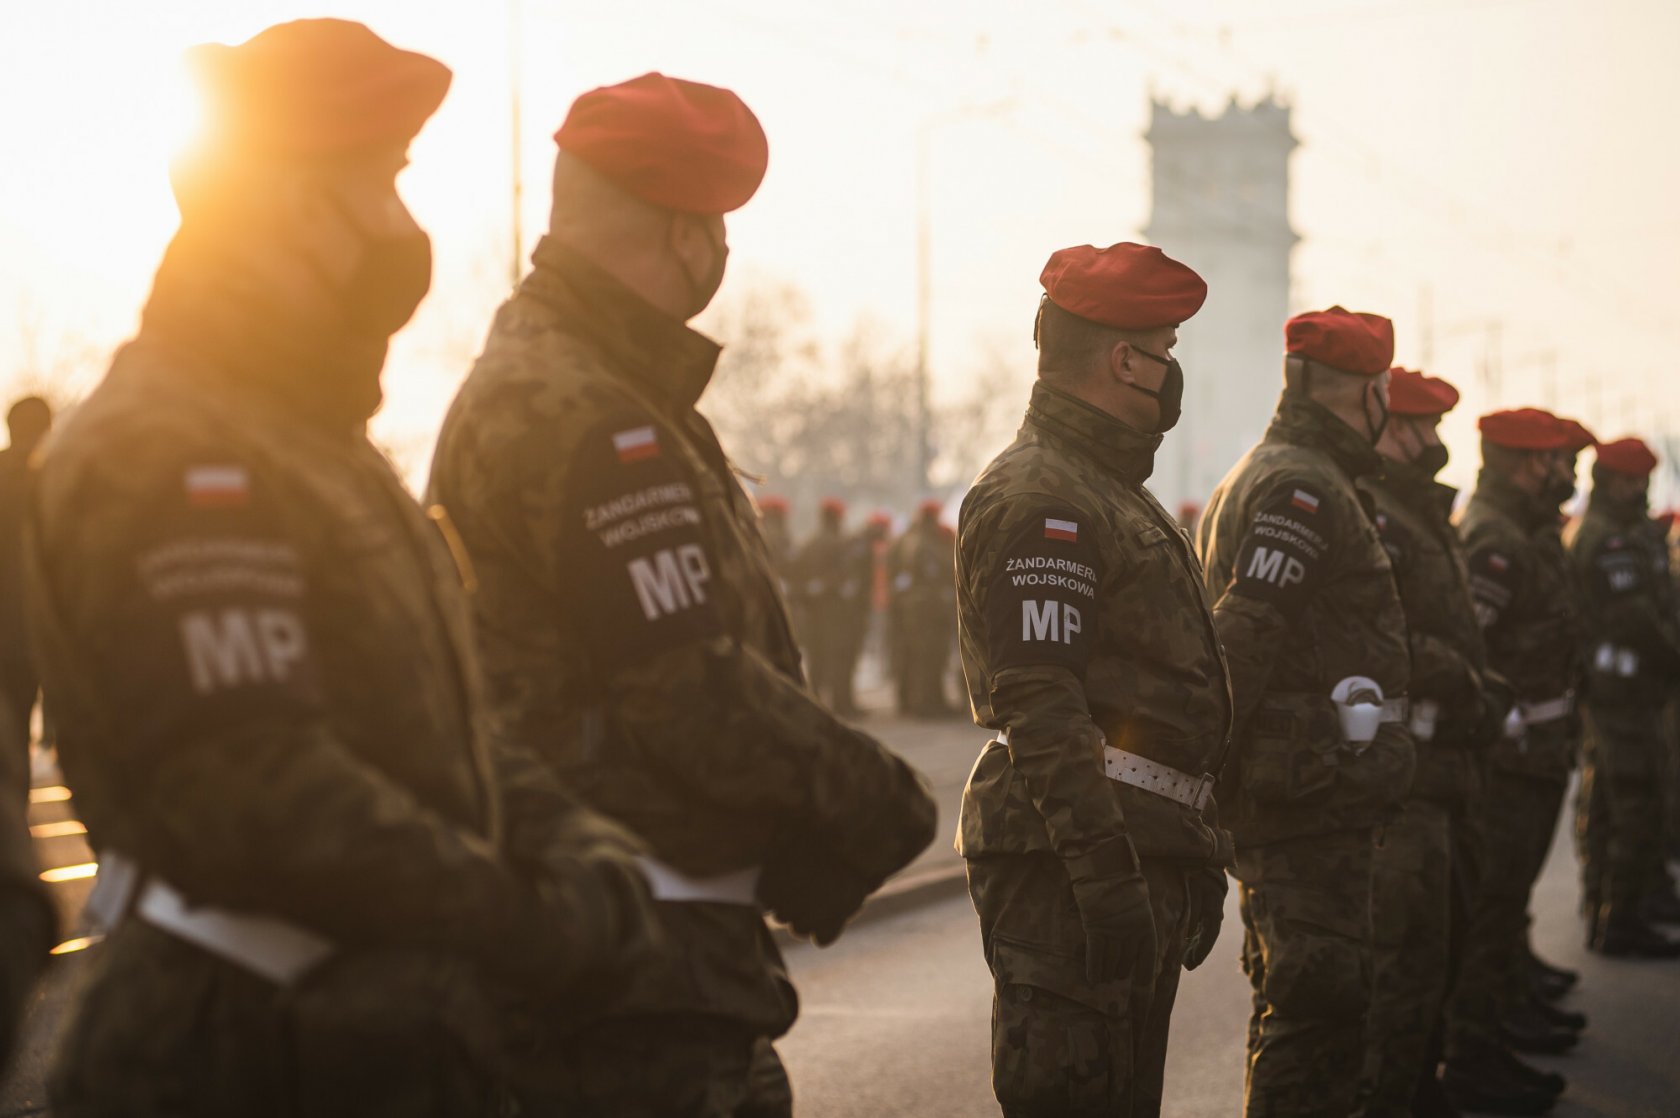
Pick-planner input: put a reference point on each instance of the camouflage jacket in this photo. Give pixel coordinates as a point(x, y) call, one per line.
point(1525, 601)
point(919, 573)
point(258, 652)
point(826, 580)
point(1414, 519)
point(1304, 597)
point(630, 621)
point(1632, 634)
point(1082, 622)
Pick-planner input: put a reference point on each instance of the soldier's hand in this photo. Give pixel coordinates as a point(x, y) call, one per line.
point(811, 891)
point(588, 926)
point(1206, 897)
point(1114, 910)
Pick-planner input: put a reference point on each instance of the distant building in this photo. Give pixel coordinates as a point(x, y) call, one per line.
point(1221, 205)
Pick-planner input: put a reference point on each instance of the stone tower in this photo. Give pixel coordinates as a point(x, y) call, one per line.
point(1220, 203)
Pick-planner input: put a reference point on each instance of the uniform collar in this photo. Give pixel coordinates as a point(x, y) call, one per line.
point(1301, 421)
point(663, 355)
point(1620, 516)
point(1416, 489)
point(1093, 433)
point(1504, 494)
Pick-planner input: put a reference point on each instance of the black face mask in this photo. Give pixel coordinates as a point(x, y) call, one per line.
point(1380, 424)
point(388, 284)
point(1558, 490)
point(1431, 459)
point(1169, 398)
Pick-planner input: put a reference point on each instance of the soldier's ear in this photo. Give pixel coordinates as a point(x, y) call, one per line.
point(1120, 362)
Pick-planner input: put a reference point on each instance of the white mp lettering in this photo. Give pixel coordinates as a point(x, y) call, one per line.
point(235, 646)
point(1265, 564)
point(1049, 620)
point(673, 580)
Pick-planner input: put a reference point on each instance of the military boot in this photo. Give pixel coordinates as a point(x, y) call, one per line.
point(1484, 1084)
point(1628, 937)
point(1555, 978)
point(1661, 906)
point(1526, 1031)
point(1563, 1018)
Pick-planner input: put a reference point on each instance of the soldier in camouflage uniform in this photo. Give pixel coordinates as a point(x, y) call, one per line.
point(826, 596)
point(1312, 624)
point(261, 656)
point(1524, 602)
point(1094, 859)
point(1455, 714)
point(923, 613)
point(630, 620)
point(1633, 651)
point(778, 542)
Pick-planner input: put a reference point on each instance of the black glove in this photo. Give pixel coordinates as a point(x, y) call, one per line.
point(1206, 901)
point(811, 890)
point(1113, 902)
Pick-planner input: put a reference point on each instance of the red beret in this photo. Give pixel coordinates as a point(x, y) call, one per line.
point(1126, 286)
point(1412, 393)
point(833, 506)
point(932, 506)
point(1346, 340)
point(770, 503)
point(879, 519)
point(672, 143)
point(1523, 429)
point(1627, 456)
point(1576, 436)
point(315, 87)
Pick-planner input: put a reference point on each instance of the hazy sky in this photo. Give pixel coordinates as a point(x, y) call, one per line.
point(1512, 157)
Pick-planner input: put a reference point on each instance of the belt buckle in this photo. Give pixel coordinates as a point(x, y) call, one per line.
point(1204, 789)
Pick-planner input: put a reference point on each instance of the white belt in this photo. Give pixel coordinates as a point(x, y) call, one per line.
point(1533, 714)
point(669, 884)
point(267, 946)
point(1425, 713)
point(1151, 776)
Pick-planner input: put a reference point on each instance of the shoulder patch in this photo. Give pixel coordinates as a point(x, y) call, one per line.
point(636, 444)
point(217, 486)
point(1038, 578)
point(1283, 555)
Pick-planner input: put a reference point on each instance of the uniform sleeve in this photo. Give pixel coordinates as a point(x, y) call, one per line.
point(183, 597)
point(1032, 566)
point(637, 568)
point(1439, 671)
point(1282, 560)
point(1624, 601)
point(1496, 576)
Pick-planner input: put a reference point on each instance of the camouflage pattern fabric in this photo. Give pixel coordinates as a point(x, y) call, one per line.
point(1061, 1047)
point(1412, 883)
point(1303, 597)
point(829, 593)
point(27, 919)
point(921, 615)
point(267, 695)
point(1633, 651)
point(1410, 916)
point(1082, 623)
point(633, 633)
point(1307, 953)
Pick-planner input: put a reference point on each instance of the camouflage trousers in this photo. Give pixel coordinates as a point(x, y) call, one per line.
point(1306, 911)
point(163, 1030)
point(1619, 808)
point(1517, 818)
point(1061, 1047)
point(668, 1066)
point(1410, 921)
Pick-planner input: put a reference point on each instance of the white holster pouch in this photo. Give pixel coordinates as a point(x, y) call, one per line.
point(667, 883)
point(1362, 710)
point(267, 946)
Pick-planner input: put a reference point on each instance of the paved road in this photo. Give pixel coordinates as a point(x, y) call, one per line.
point(895, 1021)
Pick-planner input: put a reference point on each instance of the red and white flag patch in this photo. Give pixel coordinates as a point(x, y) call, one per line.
point(1498, 563)
point(637, 444)
point(1066, 530)
point(214, 487)
point(1304, 501)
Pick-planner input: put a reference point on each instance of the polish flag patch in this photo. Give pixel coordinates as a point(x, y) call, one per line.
point(1304, 501)
point(218, 487)
point(1499, 563)
point(1066, 530)
point(637, 444)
